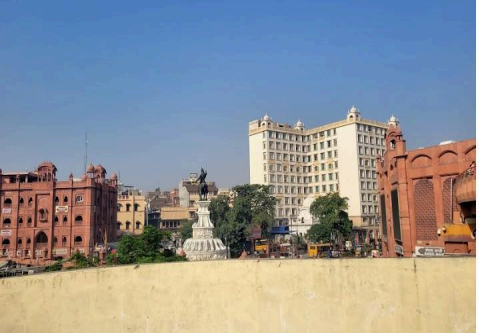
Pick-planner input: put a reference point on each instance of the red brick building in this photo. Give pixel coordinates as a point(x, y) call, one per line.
point(44, 219)
point(427, 197)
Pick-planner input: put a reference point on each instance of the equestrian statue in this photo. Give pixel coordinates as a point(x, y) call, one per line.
point(202, 186)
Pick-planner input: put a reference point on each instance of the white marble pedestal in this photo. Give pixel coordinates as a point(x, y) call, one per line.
point(203, 246)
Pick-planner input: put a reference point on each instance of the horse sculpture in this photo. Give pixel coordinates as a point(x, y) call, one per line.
point(203, 187)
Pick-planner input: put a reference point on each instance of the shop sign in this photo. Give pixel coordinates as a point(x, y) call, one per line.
point(423, 251)
point(6, 210)
point(6, 233)
point(61, 209)
point(399, 250)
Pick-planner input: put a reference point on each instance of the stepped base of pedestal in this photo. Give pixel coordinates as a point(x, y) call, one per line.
point(204, 249)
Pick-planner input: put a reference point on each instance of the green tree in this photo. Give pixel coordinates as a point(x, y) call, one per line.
point(319, 232)
point(333, 218)
point(253, 206)
point(186, 230)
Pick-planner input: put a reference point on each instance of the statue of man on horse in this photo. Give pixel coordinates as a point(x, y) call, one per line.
point(203, 187)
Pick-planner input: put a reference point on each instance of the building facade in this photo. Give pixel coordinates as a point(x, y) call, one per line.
point(44, 219)
point(337, 157)
point(427, 197)
point(131, 213)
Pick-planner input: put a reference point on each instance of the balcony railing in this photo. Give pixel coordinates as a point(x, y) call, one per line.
point(465, 186)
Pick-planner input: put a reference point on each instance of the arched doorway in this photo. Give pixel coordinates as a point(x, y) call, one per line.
point(41, 245)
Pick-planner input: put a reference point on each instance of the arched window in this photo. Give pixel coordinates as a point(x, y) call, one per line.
point(138, 225)
point(21, 201)
point(55, 241)
point(7, 202)
point(30, 201)
point(57, 200)
point(42, 214)
point(20, 221)
point(42, 238)
point(79, 198)
point(118, 225)
point(136, 207)
point(56, 219)
point(128, 225)
point(6, 242)
point(19, 242)
point(78, 219)
point(29, 241)
point(65, 199)
point(64, 241)
point(29, 221)
point(128, 206)
point(118, 207)
point(65, 220)
point(78, 240)
point(7, 222)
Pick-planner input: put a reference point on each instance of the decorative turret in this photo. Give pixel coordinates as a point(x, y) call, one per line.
point(353, 114)
point(393, 122)
point(299, 125)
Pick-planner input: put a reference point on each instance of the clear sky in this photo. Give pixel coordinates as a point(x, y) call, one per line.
point(164, 87)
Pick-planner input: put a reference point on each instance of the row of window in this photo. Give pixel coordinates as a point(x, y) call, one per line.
point(369, 128)
point(289, 201)
point(367, 162)
point(370, 140)
point(7, 222)
point(304, 159)
point(300, 190)
point(367, 174)
point(170, 224)
point(368, 185)
point(8, 201)
point(306, 180)
point(128, 225)
point(285, 136)
point(127, 207)
point(327, 144)
point(370, 151)
point(42, 239)
point(286, 212)
point(368, 197)
point(370, 209)
point(286, 147)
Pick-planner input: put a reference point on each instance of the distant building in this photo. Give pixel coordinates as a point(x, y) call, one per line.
point(427, 197)
point(131, 211)
point(338, 157)
point(188, 191)
point(44, 219)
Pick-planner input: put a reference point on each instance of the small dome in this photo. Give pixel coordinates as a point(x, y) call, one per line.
point(299, 123)
point(90, 168)
point(266, 117)
point(393, 119)
point(114, 176)
point(353, 110)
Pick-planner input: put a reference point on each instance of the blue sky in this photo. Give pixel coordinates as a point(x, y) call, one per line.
point(164, 87)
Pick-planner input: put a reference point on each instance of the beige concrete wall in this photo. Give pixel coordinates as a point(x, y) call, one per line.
point(310, 295)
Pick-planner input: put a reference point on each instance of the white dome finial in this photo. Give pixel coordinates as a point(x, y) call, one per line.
point(393, 121)
point(266, 117)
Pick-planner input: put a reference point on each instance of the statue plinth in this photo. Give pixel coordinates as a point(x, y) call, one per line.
point(203, 246)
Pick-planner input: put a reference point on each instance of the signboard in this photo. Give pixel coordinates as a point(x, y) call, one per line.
point(423, 251)
point(61, 209)
point(59, 251)
point(6, 233)
point(6, 210)
point(399, 250)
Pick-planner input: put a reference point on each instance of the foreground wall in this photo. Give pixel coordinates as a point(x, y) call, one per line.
point(315, 295)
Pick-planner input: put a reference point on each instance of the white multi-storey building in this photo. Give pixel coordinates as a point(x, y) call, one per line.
point(298, 162)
